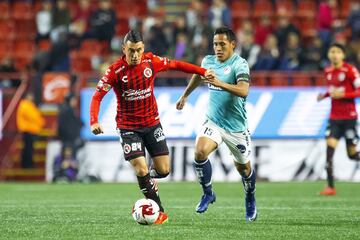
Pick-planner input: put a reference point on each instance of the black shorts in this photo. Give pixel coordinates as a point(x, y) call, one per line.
point(343, 128)
point(134, 142)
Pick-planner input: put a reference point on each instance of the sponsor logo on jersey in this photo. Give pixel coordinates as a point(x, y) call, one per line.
point(147, 72)
point(341, 77)
point(124, 79)
point(159, 134)
point(212, 87)
point(132, 94)
point(227, 70)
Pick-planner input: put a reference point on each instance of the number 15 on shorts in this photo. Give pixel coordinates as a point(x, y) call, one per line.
point(208, 131)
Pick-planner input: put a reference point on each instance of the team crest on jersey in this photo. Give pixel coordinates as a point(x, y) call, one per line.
point(341, 77)
point(328, 77)
point(103, 86)
point(147, 72)
point(227, 70)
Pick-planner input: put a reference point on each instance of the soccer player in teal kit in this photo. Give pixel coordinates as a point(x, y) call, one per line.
point(226, 119)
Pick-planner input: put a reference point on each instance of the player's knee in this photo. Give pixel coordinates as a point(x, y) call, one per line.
point(140, 172)
point(163, 171)
point(201, 154)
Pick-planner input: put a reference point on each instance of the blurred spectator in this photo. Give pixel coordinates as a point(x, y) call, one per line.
point(291, 57)
point(268, 57)
point(201, 30)
point(193, 14)
point(263, 30)
point(248, 50)
point(284, 28)
point(246, 28)
point(157, 42)
point(29, 122)
point(179, 27)
point(354, 20)
point(81, 20)
point(103, 21)
point(44, 20)
point(70, 124)
point(65, 166)
point(61, 15)
point(325, 20)
point(181, 49)
point(314, 55)
point(201, 50)
point(219, 14)
point(7, 65)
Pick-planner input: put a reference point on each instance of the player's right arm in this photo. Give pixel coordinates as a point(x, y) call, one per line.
point(102, 88)
point(194, 83)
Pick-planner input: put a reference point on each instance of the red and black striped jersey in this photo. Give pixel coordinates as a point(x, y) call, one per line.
point(344, 79)
point(134, 89)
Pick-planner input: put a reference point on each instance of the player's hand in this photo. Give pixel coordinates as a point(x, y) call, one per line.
point(181, 103)
point(211, 78)
point(96, 129)
point(320, 97)
point(337, 94)
point(209, 73)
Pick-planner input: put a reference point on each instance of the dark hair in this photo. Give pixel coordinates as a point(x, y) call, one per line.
point(338, 45)
point(133, 36)
point(227, 31)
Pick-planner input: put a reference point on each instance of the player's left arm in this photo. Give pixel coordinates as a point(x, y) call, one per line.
point(242, 79)
point(355, 79)
point(240, 89)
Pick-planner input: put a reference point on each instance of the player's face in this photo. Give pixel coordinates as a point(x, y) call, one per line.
point(223, 48)
point(133, 52)
point(336, 55)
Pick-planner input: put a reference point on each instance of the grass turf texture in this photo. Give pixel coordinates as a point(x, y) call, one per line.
point(103, 211)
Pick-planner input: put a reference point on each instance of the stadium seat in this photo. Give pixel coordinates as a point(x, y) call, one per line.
point(125, 9)
point(308, 27)
point(122, 27)
point(7, 29)
point(25, 29)
point(302, 79)
point(259, 79)
point(90, 48)
point(22, 10)
point(286, 6)
point(320, 80)
point(6, 49)
point(263, 8)
point(79, 63)
point(279, 79)
point(240, 9)
point(307, 8)
point(44, 44)
point(4, 10)
point(24, 47)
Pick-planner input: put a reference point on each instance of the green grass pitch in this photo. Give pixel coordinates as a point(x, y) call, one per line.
point(103, 211)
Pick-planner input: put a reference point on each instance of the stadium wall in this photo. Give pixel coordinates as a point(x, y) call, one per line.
point(287, 125)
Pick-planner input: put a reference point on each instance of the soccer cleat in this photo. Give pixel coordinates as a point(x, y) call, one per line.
point(250, 207)
point(206, 199)
point(328, 191)
point(162, 218)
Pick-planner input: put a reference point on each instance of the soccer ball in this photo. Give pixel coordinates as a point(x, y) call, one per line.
point(145, 211)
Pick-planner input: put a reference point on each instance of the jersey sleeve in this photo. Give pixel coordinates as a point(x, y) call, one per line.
point(107, 80)
point(242, 71)
point(160, 63)
point(355, 77)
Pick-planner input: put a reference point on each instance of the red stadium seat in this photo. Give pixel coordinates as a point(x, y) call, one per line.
point(307, 8)
point(240, 9)
point(6, 49)
point(263, 8)
point(284, 6)
point(122, 27)
point(4, 10)
point(22, 10)
point(25, 30)
point(90, 48)
point(7, 29)
point(302, 79)
point(78, 63)
point(24, 48)
point(279, 79)
point(308, 27)
point(44, 44)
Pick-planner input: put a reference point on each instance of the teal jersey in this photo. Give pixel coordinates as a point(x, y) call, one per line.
point(226, 109)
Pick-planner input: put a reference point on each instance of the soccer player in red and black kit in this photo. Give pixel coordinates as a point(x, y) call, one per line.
point(132, 79)
point(343, 82)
